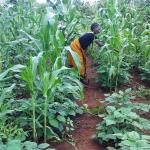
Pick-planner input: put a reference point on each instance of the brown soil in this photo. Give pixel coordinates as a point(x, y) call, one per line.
point(85, 125)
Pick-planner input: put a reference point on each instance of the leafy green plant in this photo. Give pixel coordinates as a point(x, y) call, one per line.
point(8, 128)
point(26, 16)
point(113, 70)
point(145, 71)
point(134, 140)
point(51, 41)
point(60, 115)
point(27, 145)
point(112, 67)
point(11, 131)
point(49, 83)
point(120, 118)
point(29, 75)
point(41, 100)
point(68, 17)
point(144, 53)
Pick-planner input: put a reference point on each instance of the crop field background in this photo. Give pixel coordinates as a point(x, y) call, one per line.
point(43, 104)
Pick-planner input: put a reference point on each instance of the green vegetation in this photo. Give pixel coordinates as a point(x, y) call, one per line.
point(125, 32)
point(121, 125)
point(38, 91)
point(142, 92)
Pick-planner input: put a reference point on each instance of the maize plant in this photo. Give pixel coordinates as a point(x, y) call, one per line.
point(126, 42)
point(34, 37)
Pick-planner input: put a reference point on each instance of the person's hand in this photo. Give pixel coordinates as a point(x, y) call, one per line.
point(99, 43)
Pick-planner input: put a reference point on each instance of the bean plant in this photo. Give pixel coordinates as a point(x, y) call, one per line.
point(121, 119)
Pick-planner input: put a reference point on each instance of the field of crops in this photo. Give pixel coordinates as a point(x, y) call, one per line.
point(43, 103)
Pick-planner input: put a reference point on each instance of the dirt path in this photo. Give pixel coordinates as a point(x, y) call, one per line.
point(85, 125)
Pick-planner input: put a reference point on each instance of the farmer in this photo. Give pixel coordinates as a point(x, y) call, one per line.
point(80, 45)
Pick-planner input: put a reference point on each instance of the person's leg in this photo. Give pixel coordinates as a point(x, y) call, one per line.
point(85, 81)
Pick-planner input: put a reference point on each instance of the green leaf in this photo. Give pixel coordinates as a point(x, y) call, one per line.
point(109, 121)
point(75, 57)
point(61, 118)
point(5, 93)
point(2, 75)
point(111, 148)
point(14, 145)
point(35, 61)
point(30, 145)
point(3, 113)
point(17, 68)
point(35, 41)
point(52, 134)
point(112, 71)
point(43, 145)
point(54, 123)
point(3, 147)
point(72, 112)
point(9, 89)
point(65, 2)
point(128, 143)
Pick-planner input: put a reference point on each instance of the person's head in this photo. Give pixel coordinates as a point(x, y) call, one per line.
point(95, 28)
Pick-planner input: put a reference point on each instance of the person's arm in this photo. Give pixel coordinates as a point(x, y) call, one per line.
point(98, 42)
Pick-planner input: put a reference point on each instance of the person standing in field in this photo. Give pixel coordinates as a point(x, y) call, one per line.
point(80, 45)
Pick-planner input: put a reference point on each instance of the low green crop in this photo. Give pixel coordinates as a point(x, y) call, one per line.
point(121, 119)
